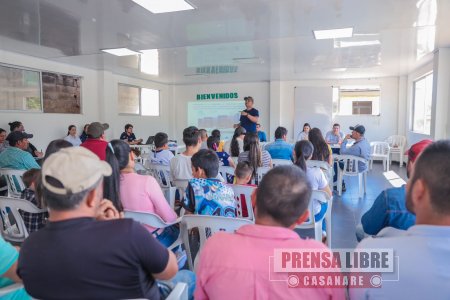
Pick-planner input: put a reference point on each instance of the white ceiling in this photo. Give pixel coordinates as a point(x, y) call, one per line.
point(251, 40)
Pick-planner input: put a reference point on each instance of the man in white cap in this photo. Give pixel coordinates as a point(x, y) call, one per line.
point(77, 254)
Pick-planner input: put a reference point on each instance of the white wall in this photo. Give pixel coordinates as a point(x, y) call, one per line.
point(99, 103)
point(377, 127)
point(182, 94)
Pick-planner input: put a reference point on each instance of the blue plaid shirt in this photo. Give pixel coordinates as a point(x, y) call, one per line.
point(33, 222)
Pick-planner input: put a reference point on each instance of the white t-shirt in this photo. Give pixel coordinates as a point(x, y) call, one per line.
point(181, 167)
point(318, 181)
point(161, 157)
point(75, 141)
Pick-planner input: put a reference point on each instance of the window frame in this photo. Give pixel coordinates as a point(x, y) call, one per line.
point(368, 87)
point(422, 77)
point(140, 100)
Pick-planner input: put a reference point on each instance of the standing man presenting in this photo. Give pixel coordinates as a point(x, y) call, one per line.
point(249, 116)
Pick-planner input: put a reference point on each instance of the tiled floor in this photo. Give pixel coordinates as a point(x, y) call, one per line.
point(348, 209)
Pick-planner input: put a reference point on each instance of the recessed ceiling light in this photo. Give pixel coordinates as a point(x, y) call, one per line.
point(339, 69)
point(333, 33)
point(120, 51)
point(164, 6)
point(345, 44)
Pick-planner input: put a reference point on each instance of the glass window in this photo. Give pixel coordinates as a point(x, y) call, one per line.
point(423, 94)
point(129, 98)
point(150, 102)
point(356, 100)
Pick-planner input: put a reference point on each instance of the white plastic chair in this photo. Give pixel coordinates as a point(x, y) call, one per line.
point(325, 167)
point(317, 225)
point(14, 181)
point(380, 151)
point(17, 232)
point(351, 168)
point(154, 221)
point(211, 223)
point(162, 175)
point(4, 291)
point(260, 172)
point(397, 144)
point(281, 162)
point(179, 292)
point(243, 194)
point(227, 173)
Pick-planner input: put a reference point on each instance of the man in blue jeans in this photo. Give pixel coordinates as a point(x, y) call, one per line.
point(389, 208)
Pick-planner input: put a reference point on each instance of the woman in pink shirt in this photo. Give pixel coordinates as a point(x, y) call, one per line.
point(142, 193)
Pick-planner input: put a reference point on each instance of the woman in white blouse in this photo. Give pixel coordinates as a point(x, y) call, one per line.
point(72, 136)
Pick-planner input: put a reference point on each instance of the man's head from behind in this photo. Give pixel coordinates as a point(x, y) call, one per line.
point(191, 136)
point(205, 164)
point(282, 197)
point(161, 140)
point(203, 134)
point(96, 130)
point(281, 133)
point(72, 180)
point(243, 172)
point(428, 189)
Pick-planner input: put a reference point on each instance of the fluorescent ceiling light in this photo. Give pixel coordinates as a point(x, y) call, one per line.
point(346, 44)
point(339, 69)
point(150, 62)
point(333, 33)
point(120, 51)
point(163, 6)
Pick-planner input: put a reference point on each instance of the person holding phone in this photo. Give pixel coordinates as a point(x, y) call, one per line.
point(249, 116)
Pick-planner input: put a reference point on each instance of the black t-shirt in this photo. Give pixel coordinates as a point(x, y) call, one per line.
point(245, 121)
point(87, 259)
point(129, 138)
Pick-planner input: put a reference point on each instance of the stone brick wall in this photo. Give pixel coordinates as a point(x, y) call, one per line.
point(61, 93)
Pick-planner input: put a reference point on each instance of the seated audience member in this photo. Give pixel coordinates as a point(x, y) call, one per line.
point(236, 145)
point(261, 134)
point(84, 136)
point(253, 154)
point(280, 149)
point(8, 271)
point(302, 152)
point(18, 126)
point(235, 266)
point(322, 151)
point(180, 165)
point(303, 135)
point(3, 142)
point(224, 158)
point(161, 155)
point(72, 137)
point(335, 136)
point(205, 194)
point(389, 208)
point(84, 257)
point(216, 133)
point(204, 137)
point(129, 137)
point(111, 184)
point(96, 139)
point(55, 146)
point(33, 221)
point(16, 157)
point(423, 250)
point(243, 173)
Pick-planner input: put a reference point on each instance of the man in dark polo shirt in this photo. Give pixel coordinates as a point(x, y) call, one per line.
point(96, 139)
point(249, 116)
point(86, 251)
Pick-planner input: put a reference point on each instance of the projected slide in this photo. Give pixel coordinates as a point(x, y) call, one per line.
point(211, 115)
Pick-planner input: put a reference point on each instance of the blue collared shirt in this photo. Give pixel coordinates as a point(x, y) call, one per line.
point(280, 149)
point(388, 210)
point(262, 136)
point(360, 148)
point(331, 138)
point(15, 158)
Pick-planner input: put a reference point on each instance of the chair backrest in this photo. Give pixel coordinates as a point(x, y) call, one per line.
point(179, 292)
point(324, 166)
point(147, 218)
point(379, 149)
point(161, 174)
point(281, 162)
point(260, 172)
point(227, 173)
point(10, 206)
point(14, 181)
point(396, 141)
point(352, 164)
point(207, 226)
point(243, 196)
point(320, 196)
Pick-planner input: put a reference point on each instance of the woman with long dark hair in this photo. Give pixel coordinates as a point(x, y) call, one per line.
point(236, 145)
point(111, 184)
point(72, 137)
point(303, 135)
point(253, 154)
point(84, 135)
point(303, 151)
point(322, 150)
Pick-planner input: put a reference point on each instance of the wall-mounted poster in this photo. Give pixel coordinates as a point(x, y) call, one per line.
point(61, 93)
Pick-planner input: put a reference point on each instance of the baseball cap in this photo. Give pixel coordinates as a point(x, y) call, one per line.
point(414, 151)
point(96, 129)
point(16, 136)
point(358, 128)
point(73, 170)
